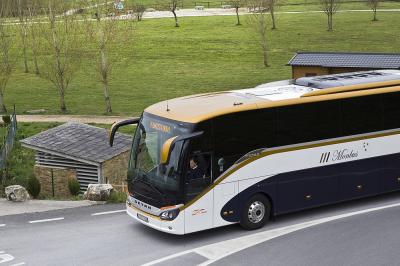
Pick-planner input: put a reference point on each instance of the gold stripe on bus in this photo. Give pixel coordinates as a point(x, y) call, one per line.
point(340, 89)
point(283, 150)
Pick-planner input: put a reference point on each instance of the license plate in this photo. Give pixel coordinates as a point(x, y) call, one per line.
point(142, 217)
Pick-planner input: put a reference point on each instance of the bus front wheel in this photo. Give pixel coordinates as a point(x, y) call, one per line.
point(255, 212)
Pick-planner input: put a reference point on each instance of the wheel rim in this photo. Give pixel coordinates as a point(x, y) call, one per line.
point(256, 212)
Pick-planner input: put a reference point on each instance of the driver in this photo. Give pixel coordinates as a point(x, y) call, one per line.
point(195, 171)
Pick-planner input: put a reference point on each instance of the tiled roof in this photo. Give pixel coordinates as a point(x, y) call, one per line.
point(357, 60)
point(80, 141)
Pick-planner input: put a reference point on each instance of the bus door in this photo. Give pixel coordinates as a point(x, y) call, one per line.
point(198, 216)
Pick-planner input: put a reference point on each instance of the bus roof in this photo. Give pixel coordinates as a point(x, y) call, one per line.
point(197, 108)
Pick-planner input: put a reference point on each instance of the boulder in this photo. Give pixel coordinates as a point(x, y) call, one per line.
point(98, 192)
point(16, 193)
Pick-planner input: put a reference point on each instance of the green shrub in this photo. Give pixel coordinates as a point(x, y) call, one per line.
point(6, 119)
point(117, 197)
point(33, 186)
point(74, 186)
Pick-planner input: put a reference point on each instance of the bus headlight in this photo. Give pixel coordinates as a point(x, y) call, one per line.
point(169, 215)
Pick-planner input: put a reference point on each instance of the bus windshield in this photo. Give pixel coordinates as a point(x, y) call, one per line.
point(144, 165)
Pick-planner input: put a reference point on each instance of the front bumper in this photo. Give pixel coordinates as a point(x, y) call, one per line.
point(176, 226)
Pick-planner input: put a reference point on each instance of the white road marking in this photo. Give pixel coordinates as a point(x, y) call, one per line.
point(219, 250)
point(46, 220)
point(18, 264)
point(5, 257)
point(2, 225)
point(110, 212)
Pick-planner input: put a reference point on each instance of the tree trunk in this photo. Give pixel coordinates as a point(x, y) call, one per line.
point(330, 26)
point(265, 55)
point(375, 19)
point(63, 107)
point(104, 76)
point(176, 18)
point(3, 108)
point(237, 16)
point(107, 97)
point(24, 50)
point(273, 18)
point(34, 51)
point(35, 62)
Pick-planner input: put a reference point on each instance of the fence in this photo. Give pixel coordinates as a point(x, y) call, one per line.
point(8, 141)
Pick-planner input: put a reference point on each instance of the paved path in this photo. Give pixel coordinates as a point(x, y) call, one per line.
point(31, 206)
point(88, 119)
point(105, 235)
point(217, 12)
point(231, 12)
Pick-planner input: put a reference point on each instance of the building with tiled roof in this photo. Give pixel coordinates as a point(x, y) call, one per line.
point(323, 63)
point(75, 150)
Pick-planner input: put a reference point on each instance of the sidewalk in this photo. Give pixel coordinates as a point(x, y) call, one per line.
point(93, 119)
point(31, 206)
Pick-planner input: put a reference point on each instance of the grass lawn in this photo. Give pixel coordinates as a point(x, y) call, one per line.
point(205, 54)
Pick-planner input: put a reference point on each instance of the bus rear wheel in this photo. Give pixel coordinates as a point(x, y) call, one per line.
point(255, 212)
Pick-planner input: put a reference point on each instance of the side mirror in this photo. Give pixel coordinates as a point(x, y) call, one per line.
point(166, 150)
point(116, 126)
point(221, 162)
point(169, 145)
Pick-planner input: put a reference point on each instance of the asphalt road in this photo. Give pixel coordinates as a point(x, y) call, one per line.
point(77, 237)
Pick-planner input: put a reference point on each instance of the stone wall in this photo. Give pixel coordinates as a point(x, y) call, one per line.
point(60, 177)
point(114, 171)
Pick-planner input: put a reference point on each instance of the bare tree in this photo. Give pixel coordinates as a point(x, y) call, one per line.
point(5, 47)
point(23, 31)
point(373, 4)
point(173, 8)
point(259, 20)
point(62, 37)
point(236, 4)
point(272, 5)
point(108, 34)
point(34, 32)
point(138, 10)
point(330, 7)
point(103, 34)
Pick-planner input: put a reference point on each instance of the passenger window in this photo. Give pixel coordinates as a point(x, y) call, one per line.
point(198, 176)
point(391, 110)
point(308, 122)
point(361, 115)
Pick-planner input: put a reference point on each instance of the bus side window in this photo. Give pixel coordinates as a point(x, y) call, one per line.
point(361, 115)
point(198, 176)
point(308, 122)
point(391, 110)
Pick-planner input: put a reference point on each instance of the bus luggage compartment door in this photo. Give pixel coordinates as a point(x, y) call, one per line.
point(357, 185)
point(304, 193)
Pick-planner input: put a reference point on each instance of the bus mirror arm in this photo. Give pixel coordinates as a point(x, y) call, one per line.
point(170, 144)
point(117, 125)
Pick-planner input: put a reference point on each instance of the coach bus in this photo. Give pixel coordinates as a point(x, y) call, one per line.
point(214, 159)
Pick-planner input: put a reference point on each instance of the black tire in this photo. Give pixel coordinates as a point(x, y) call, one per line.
point(255, 212)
